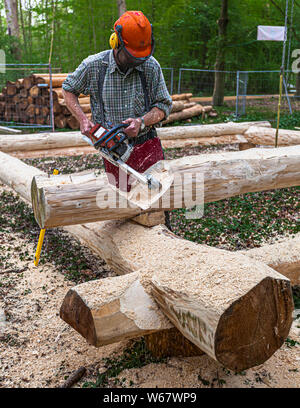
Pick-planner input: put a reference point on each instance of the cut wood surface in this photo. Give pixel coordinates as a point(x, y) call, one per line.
point(259, 136)
point(40, 141)
point(224, 303)
point(284, 257)
point(85, 197)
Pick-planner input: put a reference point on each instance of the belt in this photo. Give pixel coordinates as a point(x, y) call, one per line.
point(142, 139)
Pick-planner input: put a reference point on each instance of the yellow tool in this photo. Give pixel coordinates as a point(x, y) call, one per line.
point(41, 237)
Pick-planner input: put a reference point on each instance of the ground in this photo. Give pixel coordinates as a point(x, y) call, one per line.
point(38, 349)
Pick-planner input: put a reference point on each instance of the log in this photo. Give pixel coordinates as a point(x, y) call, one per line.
point(28, 82)
point(60, 121)
point(11, 88)
point(266, 137)
point(73, 122)
point(177, 106)
point(17, 175)
point(59, 152)
point(30, 110)
point(57, 81)
point(224, 303)
point(39, 141)
point(82, 101)
point(245, 146)
point(181, 97)
point(284, 257)
point(184, 114)
point(203, 141)
point(219, 129)
point(85, 197)
point(34, 91)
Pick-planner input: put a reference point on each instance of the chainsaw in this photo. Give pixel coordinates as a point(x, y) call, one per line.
point(113, 145)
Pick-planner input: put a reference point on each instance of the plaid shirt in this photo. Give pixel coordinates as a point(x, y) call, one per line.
point(123, 95)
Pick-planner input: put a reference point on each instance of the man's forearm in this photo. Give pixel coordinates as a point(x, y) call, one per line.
point(154, 116)
point(73, 105)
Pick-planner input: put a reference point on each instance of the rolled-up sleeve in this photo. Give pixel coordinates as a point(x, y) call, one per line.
point(77, 82)
point(159, 92)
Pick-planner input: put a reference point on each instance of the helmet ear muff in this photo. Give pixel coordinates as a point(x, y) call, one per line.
point(116, 38)
point(114, 41)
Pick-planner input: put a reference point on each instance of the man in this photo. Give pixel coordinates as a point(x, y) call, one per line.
point(126, 85)
point(124, 95)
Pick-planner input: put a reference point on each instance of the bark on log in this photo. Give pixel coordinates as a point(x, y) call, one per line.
point(39, 141)
point(59, 152)
point(83, 101)
point(84, 197)
point(238, 331)
point(60, 121)
point(220, 129)
point(177, 106)
point(181, 97)
point(73, 122)
point(203, 141)
point(224, 303)
point(184, 114)
point(266, 137)
point(17, 175)
point(31, 142)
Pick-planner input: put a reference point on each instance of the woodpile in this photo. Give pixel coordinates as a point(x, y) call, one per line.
point(184, 109)
point(27, 100)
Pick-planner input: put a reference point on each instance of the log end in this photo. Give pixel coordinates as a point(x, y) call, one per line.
point(76, 313)
point(254, 327)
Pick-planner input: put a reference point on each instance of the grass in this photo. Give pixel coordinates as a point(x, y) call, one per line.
point(244, 221)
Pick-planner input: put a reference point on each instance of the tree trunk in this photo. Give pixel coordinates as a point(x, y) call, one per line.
point(85, 197)
point(121, 7)
point(218, 94)
point(11, 9)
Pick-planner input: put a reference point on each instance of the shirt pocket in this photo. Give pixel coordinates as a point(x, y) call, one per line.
point(139, 104)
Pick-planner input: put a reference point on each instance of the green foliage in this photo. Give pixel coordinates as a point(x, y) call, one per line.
point(186, 31)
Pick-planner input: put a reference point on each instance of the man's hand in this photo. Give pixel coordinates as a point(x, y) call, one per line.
point(85, 126)
point(134, 126)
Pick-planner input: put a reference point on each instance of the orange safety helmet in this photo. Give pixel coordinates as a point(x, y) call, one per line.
point(133, 32)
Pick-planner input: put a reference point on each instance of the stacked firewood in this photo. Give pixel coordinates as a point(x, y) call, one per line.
point(28, 101)
point(184, 108)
